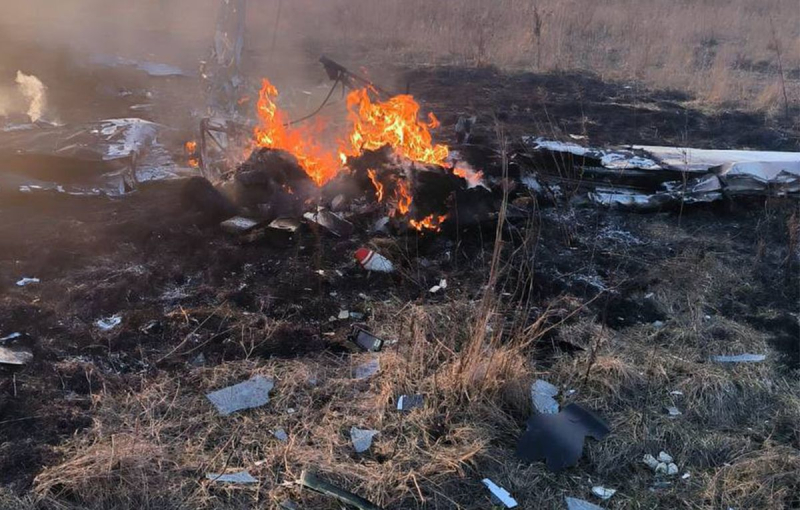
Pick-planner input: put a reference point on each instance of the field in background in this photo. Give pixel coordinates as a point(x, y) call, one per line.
point(723, 52)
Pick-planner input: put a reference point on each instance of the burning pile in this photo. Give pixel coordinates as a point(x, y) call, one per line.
point(388, 149)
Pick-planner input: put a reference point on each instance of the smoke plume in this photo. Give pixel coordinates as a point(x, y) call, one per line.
point(33, 91)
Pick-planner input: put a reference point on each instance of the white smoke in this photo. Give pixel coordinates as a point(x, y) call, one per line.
point(33, 91)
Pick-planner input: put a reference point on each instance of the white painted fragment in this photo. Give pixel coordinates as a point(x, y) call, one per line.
point(245, 395)
point(602, 492)
point(240, 477)
point(362, 438)
point(500, 493)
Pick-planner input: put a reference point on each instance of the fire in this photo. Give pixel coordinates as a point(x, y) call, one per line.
point(394, 123)
point(191, 151)
point(432, 222)
point(403, 197)
point(273, 133)
point(375, 182)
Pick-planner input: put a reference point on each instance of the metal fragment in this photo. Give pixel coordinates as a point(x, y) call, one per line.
point(362, 438)
point(245, 395)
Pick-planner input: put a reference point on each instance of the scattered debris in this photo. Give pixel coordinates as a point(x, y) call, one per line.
point(664, 457)
point(331, 222)
point(368, 369)
point(109, 323)
point(281, 435)
point(500, 494)
point(245, 395)
point(686, 476)
point(558, 438)
point(602, 492)
point(12, 336)
point(579, 504)
point(673, 411)
point(672, 469)
point(27, 281)
point(344, 314)
point(372, 261)
point(238, 225)
point(381, 226)
point(542, 393)
point(409, 402)
point(441, 286)
point(366, 340)
point(739, 358)
point(314, 483)
point(651, 461)
point(240, 477)
point(663, 465)
point(362, 438)
point(676, 393)
point(14, 356)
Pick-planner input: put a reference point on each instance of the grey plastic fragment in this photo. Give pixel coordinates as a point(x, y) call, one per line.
point(542, 393)
point(362, 438)
point(280, 435)
point(240, 477)
point(246, 395)
point(739, 358)
point(368, 369)
point(579, 504)
point(409, 402)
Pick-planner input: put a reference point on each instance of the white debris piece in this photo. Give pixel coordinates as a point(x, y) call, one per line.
point(686, 476)
point(673, 411)
point(542, 393)
point(373, 261)
point(368, 369)
point(500, 493)
point(579, 504)
point(344, 314)
point(651, 461)
point(662, 468)
point(676, 393)
point(109, 323)
point(280, 435)
point(12, 336)
point(672, 469)
point(27, 281)
point(362, 438)
point(740, 358)
point(240, 477)
point(664, 457)
point(238, 225)
point(441, 286)
point(602, 492)
point(245, 395)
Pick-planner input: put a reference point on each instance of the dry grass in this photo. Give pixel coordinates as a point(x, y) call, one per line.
point(721, 51)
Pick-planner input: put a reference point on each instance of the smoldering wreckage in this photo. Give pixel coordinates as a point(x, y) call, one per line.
point(266, 177)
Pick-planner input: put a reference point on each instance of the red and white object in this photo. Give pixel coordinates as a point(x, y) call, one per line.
point(373, 261)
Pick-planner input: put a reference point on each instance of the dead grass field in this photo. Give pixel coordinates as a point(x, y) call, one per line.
point(721, 51)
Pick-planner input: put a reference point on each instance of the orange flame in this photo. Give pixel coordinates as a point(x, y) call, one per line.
point(394, 123)
point(375, 182)
point(432, 222)
point(191, 151)
point(403, 198)
point(273, 133)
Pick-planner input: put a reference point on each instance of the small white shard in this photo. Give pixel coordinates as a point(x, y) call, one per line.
point(664, 457)
point(12, 336)
point(685, 476)
point(14, 357)
point(500, 493)
point(740, 358)
point(441, 286)
point(280, 435)
point(579, 504)
point(672, 469)
point(109, 323)
point(676, 393)
point(542, 393)
point(368, 369)
point(245, 395)
point(240, 477)
point(673, 411)
point(602, 492)
point(344, 314)
point(658, 324)
point(27, 281)
point(651, 461)
point(661, 468)
point(362, 438)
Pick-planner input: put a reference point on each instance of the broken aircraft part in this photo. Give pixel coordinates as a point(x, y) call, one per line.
point(240, 477)
point(362, 438)
point(365, 339)
point(500, 494)
point(311, 481)
point(558, 438)
point(245, 395)
point(15, 356)
point(408, 402)
point(542, 396)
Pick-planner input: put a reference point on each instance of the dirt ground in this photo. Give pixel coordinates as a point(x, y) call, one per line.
point(625, 309)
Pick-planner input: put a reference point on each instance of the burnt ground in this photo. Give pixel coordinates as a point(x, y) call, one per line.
point(183, 288)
